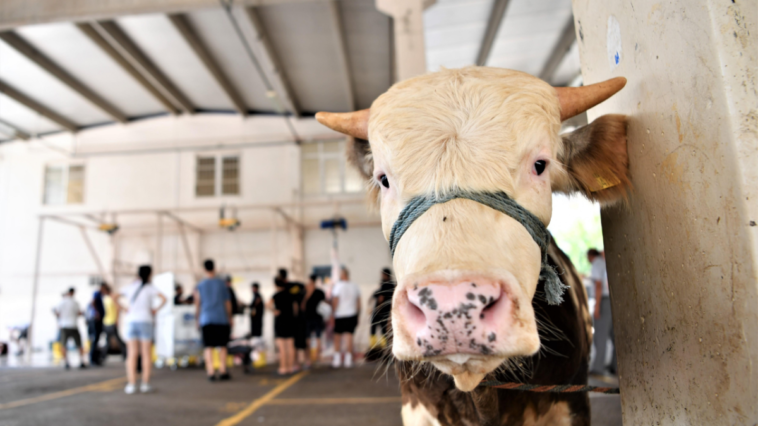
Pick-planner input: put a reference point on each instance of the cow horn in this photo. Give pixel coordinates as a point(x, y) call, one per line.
point(576, 100)
point(354, 124)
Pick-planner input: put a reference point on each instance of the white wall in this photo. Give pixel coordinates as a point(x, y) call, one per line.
point(150, 165)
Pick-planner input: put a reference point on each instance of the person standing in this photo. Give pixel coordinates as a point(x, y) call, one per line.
point(383, 307)
point(346, 304)
point(213, 308)
point(236, 306)
point(285, 309)
point(140, 319)
point(110, 322)
point(297, 291)
point(68, 312)
point(602, 312)
point(178, 295)
point(95, 325)
point(256, 312)
point(314, 322)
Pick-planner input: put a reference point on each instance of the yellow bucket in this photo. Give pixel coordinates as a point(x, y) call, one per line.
point(57, 354)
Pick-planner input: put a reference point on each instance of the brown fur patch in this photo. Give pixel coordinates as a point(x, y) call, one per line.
point(597, 162)
point(358, 153)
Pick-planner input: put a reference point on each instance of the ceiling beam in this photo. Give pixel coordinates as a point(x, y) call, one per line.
point(254, 34)
point(16, 13)
point(90, 31)
point(338, 29)
point(497, 14)
point(408, 34)
point(31, 53)
point(135, 54)
point(182, 24)
point(37, 107)
point(15, 132)
point(567, 38)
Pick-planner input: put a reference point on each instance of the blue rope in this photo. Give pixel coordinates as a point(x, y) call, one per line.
point(501, 202)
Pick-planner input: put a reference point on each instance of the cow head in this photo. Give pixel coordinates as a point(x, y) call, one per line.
point(467, 273)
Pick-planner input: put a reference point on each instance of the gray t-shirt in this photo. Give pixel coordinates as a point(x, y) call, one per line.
point(68, 312)
point(599, 273)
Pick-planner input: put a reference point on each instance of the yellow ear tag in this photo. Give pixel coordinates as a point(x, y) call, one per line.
point(604, 183)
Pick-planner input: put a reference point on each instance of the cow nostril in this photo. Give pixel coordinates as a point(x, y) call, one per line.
point(414, 314)
point(490, 306)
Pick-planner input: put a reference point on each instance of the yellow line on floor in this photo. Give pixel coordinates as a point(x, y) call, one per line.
point(258, 403)
point(604, 379)
point(327, 401)
point(99, 386)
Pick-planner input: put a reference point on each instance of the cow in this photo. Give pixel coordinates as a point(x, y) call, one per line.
point(474, 298)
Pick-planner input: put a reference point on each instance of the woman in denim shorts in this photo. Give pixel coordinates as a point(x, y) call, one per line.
point(140, 316)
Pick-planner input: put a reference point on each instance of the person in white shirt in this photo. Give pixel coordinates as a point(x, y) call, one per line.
point(140, 314)
point(346, 305)
point(68, 312)
point(603, 323)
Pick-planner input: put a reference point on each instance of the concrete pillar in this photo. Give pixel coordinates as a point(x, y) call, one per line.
point(410, 50)
point(683, 255)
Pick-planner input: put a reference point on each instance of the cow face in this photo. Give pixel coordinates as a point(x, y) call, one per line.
point(467, 273)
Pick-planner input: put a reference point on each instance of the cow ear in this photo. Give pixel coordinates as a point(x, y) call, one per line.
point(358, 153)
point(596, 161)
point(359, 156)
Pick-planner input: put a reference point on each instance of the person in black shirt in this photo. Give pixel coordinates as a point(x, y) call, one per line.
point(236, 308)
point(297, 290)
point(314, 323)
point(256, 312)
point(383, 307)
point(285, 308)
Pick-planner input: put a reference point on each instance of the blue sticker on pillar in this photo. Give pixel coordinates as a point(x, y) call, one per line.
point(613, 42)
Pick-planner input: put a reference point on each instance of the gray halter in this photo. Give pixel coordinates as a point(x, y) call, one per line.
point(501, 202)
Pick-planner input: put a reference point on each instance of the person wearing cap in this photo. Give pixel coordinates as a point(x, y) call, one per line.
point(68, 312)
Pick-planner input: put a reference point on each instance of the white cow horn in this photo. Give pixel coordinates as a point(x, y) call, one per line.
point(354, 124)
point(576, 100)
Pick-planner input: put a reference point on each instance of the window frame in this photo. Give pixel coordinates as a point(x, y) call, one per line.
point(322, 157)
point(218, 174)
point(66, 171)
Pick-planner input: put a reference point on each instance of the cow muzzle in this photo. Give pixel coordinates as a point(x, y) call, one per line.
point(465, 326)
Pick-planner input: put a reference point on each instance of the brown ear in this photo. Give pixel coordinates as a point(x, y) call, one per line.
point(596, 160)
point(358, 153)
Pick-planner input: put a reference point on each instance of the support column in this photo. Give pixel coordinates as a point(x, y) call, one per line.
point(683, 255)
point(274, 243)
point(158, 245)
point(114, 260)
point(35, 286)
point(93, 253)
point(410, 49)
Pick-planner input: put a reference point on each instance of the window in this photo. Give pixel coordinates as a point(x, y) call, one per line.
point(325, 169)
point(64, 184)
point(217, 175)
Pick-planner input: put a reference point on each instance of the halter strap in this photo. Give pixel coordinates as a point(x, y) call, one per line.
point(501, 202)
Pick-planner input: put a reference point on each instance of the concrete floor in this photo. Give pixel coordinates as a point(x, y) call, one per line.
point(359, 396)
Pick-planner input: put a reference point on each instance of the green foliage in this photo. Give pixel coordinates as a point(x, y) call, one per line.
point(575, 240)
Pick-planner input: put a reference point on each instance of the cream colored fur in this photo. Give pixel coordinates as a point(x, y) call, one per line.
point(478, 129)
point(475, 129)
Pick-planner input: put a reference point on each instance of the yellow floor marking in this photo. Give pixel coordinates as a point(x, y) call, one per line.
point(326, 401)
point(604, 379)
point(258, 403)
point(100, 386)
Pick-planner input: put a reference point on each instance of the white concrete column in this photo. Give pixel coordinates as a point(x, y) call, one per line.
point(410, 49)
point(683, 255)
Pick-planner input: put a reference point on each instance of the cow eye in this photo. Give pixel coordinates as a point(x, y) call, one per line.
point(539, 166)
point(385, 182)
